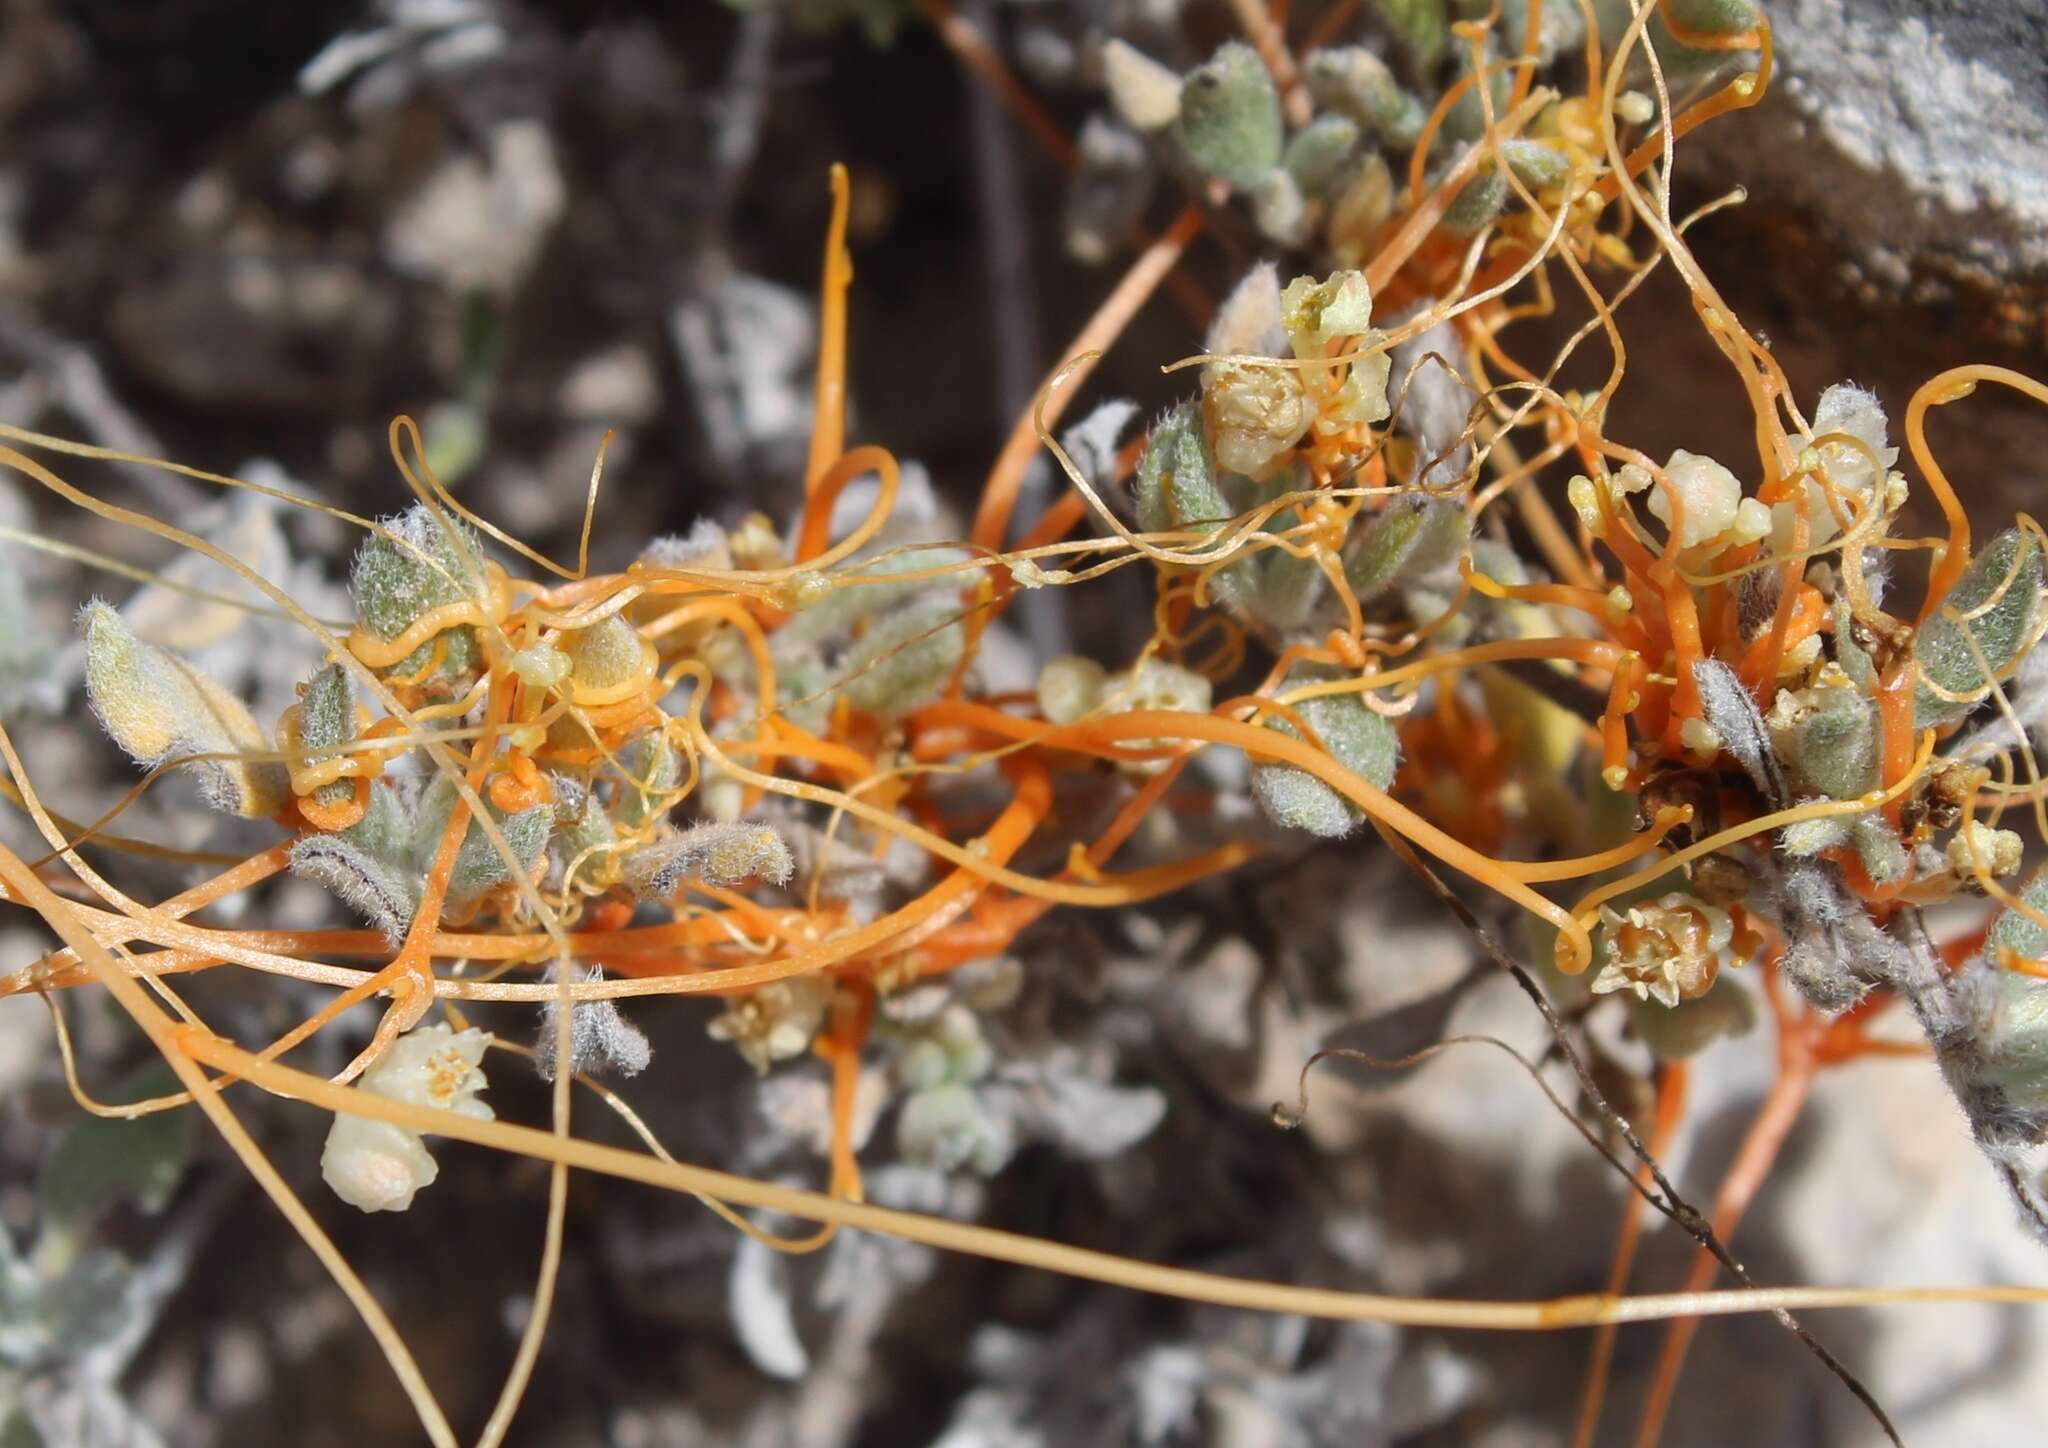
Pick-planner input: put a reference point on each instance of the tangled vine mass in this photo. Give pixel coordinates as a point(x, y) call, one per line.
point(1717, 714)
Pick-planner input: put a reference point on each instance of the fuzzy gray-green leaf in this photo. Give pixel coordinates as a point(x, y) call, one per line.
point(1176, 483)
point(384, 892)
point(1356, 737)
point(1353, 81)
point(905, 657)
point(1422, 27)
point(1834, 746)
point(1408, 538)
point(1995, 604)
point(1319, 150)
point(2014, 931)
point(1230, 116)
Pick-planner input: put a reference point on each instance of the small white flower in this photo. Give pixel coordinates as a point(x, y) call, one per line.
point(1667, 951)
point(379, 1167)
point(1708, 492)
point(777, 1022)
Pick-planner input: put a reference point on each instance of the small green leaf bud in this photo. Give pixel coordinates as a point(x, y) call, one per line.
point(1811, 837)
point(599, 1037)
point(479, 866)
point(836, 612)
point(428, 566)
point(425, 568)
point(327, 710)
point(386, 828)
point(1354, 82)
point(1478, 203)
point(2016, 1045)
point(1176, 481)
point(1230, 116)
point(2016, 932)
point(1877, 844)
point(1319, 150)
point(1353, 735)
point(1466, 119)
point(1408, 538)
point(1286, 588)
point(653, 773)
point(1828, 736)
point(327, 717)
point(1536, 164)
point(588, 829)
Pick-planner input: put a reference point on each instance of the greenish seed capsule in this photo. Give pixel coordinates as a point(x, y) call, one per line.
point(1230, 125)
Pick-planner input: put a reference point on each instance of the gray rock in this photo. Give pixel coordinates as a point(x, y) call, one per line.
point(1913, 128)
